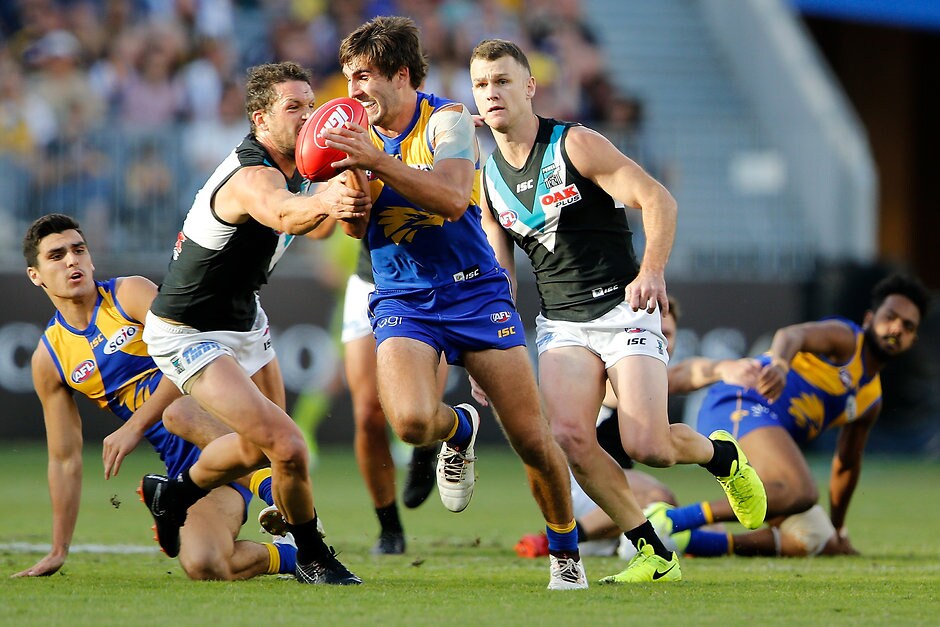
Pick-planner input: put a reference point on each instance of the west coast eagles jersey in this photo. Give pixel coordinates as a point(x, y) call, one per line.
point(818, 394)
point(108, 361)
point(576, 235)
point(412, 248)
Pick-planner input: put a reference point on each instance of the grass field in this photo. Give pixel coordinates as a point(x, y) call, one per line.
point(461, 568)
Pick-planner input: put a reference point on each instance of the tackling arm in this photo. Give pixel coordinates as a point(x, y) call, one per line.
point(847, 467)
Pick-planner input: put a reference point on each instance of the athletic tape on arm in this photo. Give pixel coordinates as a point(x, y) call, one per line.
point(451, 133)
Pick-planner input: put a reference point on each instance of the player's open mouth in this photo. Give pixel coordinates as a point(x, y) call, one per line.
point(492, 109)
point(76, 276)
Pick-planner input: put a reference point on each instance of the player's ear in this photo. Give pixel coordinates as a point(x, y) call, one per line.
point(530, 87)
point(34, 277)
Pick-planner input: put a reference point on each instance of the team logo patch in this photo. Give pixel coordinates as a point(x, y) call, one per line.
point(634, 330)
point(119, 339)
point(500, 317)
point(83, 371)
point(178, 247)
point(845, 377)
point(508, 218)
point(562, 197)
point(192, 353)
point(400, 224)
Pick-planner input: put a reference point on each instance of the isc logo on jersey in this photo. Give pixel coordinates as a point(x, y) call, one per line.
point(561, 198)
point(83, 371)
point(119, 339)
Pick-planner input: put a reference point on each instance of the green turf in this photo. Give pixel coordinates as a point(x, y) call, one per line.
point(461, 568)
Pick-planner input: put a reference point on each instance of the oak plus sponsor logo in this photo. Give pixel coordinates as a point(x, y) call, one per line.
point(178, 246)
point(121, 337)
point(500, 317)
point(83, 371)
point(561, 198)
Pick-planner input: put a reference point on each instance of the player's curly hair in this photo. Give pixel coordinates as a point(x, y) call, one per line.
point(260, 82)
point(905, 285)
point(493, 49)
point(42, 227)
point(389, 43)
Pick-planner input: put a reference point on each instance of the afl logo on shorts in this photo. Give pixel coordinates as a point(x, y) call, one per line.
point(500, 317)
point(508, 218)
point(634, 330)
point(119, 339)
point(83, 371)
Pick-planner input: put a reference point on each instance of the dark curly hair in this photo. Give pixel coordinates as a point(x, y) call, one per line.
point(42, 227)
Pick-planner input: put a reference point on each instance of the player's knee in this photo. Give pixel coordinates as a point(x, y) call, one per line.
point(576, 443)
point(786, 498)
point(290, 454)
point(809, 531)
point(203, 566)
point(368, 412)
point(653, 453)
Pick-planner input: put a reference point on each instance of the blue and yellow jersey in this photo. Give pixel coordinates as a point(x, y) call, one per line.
point(413, 248)
point(108, 361)
point(818, 394)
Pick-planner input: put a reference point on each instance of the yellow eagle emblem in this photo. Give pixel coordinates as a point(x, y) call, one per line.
point(401, 223)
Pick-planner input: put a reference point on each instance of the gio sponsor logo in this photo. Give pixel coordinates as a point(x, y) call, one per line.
point(83, 371)
point(500, 317)
point(121, 337)
point(389, 321)
point(597, 292)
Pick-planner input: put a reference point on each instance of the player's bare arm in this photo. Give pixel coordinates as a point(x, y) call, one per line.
point(260, 192)
point(695, 373)
point(500, 240)
point(600, 161)
point(846, 471)
point(445, 189)
point(64, 441)
point(830, 338)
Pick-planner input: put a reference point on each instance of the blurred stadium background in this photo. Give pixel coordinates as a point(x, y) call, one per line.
point(799, 137)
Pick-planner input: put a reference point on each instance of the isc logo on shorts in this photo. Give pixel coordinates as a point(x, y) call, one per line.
point(506, 332)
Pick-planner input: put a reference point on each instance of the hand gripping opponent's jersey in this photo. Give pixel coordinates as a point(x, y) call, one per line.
point(412, 248)
point(576, 235)
point(108, 361)
point(818, 395)
point(217, 267)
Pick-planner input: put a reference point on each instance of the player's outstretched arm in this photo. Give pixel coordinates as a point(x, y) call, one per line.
point(847, 468)
point(64, 441)
point(695, 373)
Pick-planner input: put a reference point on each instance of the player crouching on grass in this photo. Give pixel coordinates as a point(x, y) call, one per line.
point(93, 346)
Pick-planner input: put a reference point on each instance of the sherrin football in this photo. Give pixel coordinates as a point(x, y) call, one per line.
point(312, 155)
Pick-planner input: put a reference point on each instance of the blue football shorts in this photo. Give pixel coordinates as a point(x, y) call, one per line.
point(471, 315)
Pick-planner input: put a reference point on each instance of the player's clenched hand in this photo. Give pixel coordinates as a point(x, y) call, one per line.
point(743, 372)
point(117, 446)
point(344, 199)
point(772, 379)
point(647, 291)
point(48, 565)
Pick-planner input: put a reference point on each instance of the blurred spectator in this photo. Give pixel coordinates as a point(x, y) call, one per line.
point(149, 204)
point(207, 140)
point(151, 97)
point(202, 78)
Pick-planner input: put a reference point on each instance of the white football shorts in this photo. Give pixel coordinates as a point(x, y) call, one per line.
point(356, 322)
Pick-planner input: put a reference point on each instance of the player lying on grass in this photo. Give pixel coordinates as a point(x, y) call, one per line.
point(816, 376)
point(93, 346)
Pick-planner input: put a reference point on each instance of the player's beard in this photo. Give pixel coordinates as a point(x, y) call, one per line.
point(874, 347)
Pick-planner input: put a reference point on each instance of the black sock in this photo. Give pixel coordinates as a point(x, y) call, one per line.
point(310, 546)
point(388, 518)
point(188, 491)
point(726, 454)
point(582, 534)
point(647, 533)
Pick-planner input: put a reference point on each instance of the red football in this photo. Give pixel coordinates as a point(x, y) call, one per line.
point(312, 155)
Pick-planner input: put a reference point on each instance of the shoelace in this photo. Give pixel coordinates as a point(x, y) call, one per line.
point(735, 489)
point(568, 570)
point(455, 465)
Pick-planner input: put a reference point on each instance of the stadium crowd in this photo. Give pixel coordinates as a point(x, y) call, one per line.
point(115, 111)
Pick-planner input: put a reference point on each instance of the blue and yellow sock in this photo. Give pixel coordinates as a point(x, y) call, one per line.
point(460, 435)
point(261, 485)
point(691, 516)
point(282, 558)
point(709, 543)
point(562, 538)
